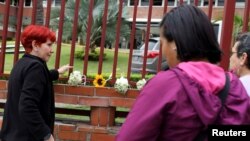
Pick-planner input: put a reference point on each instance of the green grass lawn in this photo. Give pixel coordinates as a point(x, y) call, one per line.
point(107, 66)
point(92, 65)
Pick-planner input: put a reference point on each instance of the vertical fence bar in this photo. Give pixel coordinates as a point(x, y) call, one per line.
point(34, 7)
point(246, 16)
point(74, 35)
point(103, 38)
point(117, 41)
point(4, 35)
point(210, 8)
point(196, 2)
point(132, 37)
point(227, 30)
point(160, 50)
point(181, 2)
point(147, 38)
point(48, 10)
point(86, 53)
point(18, 30)
point(59, 36)
point(165, 6)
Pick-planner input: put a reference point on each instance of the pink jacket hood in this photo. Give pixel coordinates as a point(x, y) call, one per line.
point(210, 76)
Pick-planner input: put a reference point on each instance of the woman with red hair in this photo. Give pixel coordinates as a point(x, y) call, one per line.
point(29, 112)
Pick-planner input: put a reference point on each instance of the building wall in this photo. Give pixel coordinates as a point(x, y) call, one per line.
point(13, 9)
point(10, 34)
point(157, 12)
point(142, 13)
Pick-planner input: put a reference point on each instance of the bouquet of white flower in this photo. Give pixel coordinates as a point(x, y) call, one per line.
point(121, 85)
point(140, 84)
point(75, 78)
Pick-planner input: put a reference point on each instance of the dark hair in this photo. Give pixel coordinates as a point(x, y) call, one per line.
point(38, 33)
point(192, 32)
point(244, 46)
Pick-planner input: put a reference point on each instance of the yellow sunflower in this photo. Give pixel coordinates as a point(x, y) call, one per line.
point(99, 81)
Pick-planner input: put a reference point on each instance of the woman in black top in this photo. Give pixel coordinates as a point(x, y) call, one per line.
point(29, 112)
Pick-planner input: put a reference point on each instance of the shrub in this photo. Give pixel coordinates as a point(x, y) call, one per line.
point(93, 56)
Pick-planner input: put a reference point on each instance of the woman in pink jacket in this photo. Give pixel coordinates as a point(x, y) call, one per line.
point(180, 103)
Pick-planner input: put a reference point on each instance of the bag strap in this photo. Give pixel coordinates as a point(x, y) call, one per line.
point(222, 95)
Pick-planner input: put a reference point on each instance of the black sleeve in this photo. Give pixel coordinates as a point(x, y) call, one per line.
point(54, 74)
point(32, 90)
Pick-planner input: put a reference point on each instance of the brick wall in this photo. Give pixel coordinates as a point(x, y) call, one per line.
point(157, 12)
point(103, 103)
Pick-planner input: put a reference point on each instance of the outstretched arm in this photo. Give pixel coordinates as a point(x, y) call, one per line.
point(54, 74)
point(64, 68)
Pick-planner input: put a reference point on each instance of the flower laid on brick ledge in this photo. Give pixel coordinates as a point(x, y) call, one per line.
point(121, 85)
point(76, 78)
point(140, 84)
point(99, 81)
